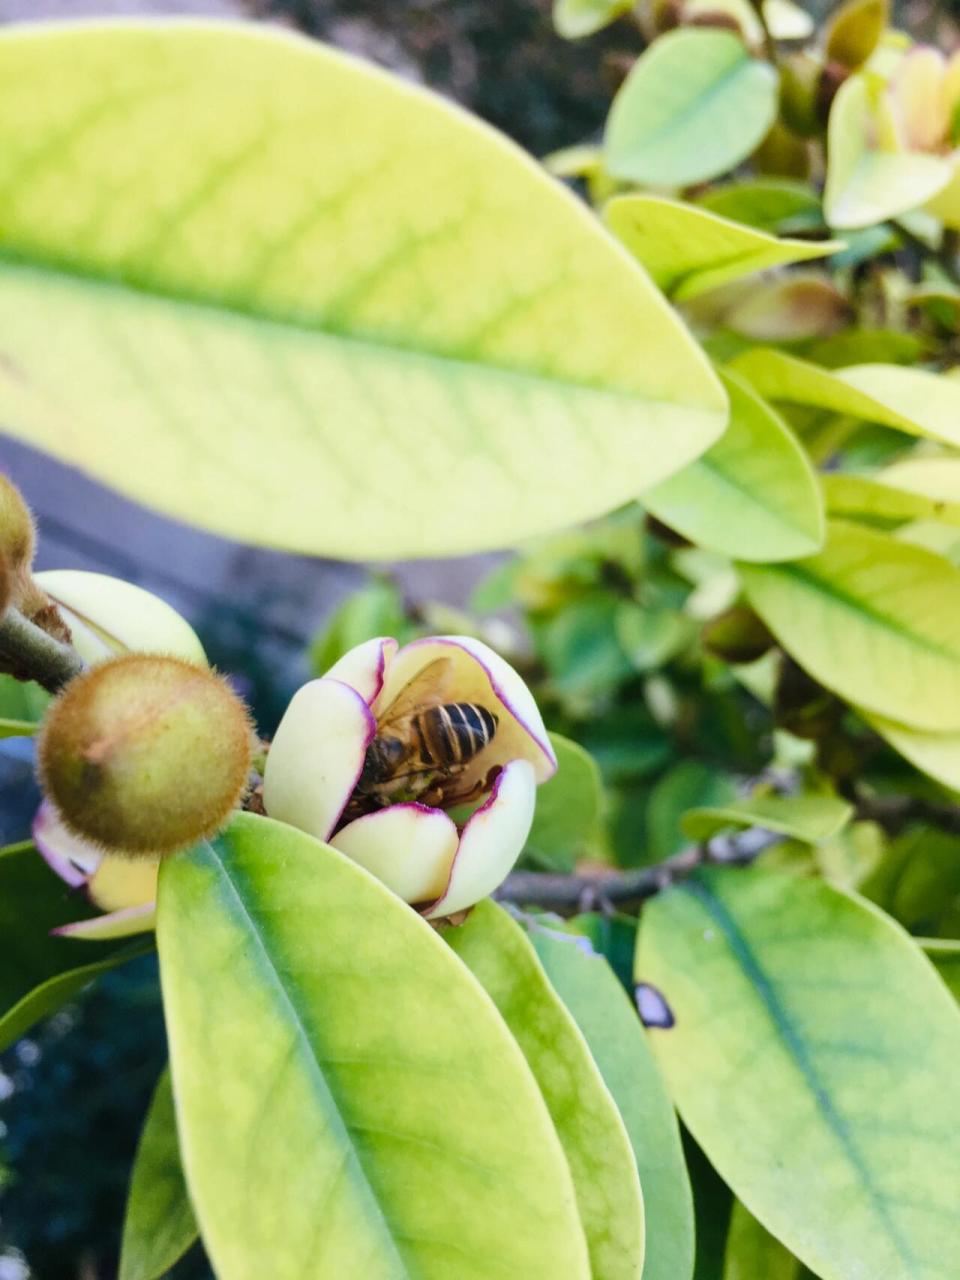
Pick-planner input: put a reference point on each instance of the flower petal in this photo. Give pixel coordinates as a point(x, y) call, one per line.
point(492, 840)
point(118, 924)
point(107, 616)
point(74, 860)
point(481, 676)
point(121, 883)
point(917, 91)
point(316, 756)
point(364, 667)
point(410, 847)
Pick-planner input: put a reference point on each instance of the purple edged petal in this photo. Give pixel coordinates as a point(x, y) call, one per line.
point(481, 676)
point(491, 842)
point(410, 847)
point(73, 859)
point(121, 883)
point(364, 667)
point(118, 924)
point(316, 757)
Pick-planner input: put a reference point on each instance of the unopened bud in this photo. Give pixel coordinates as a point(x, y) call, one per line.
point(146, 754)
point(799, 94)
point(17, 533)
point(6, 585)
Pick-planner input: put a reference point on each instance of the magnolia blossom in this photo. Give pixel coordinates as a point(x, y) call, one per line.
point(106, 617)
point(417, 849)
point(892, 140)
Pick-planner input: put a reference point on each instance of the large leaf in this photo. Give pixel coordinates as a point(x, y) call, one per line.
point(576, 18)
point(601, 1160)
point(753, 495)
point(913, 400)
point(768, 204)
point(350, 1102)
point(871, 501)
point(159, 1226)
point(813, 1056)
point(753, 1253)
point(590, 990)
point(265, 287)
point(935, 754)
point(867, 184)
point(935, 478)
point(944, 955)
point(694, 105)
point(568, 808)
point(32, 902)
point(873, 619)
point(689, 250)
point(810, 818)
point(55, 992)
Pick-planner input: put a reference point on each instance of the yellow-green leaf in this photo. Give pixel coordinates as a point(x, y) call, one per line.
point(349, 1101)
point(866, 185)
point(874, 619)
point(911, 400)
point(694, 105)
point(260, 285)
point(753, 495)
point(764, 203)
point(593, 994)
point(810, 818)
point(935, 754)
point(753, 1253)
point(813, 1056)
point(576, 18)
point(870, 501)
point(598, 1149)
point(689, 250)
point(934, 478)
point(159, 1226)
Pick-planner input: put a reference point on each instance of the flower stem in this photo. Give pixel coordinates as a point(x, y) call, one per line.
point(31, 654)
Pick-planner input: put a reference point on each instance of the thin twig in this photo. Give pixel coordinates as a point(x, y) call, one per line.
point(32, 654)
point(606, 887)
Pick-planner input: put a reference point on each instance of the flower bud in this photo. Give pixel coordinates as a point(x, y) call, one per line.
point(145, 754)
point(6, 584)
point(108, 616)
point(17, 532)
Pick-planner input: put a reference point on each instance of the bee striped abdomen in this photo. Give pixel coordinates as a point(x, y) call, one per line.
point(454, 733)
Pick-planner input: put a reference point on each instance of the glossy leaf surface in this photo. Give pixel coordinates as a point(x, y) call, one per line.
point(568, 807)
point(159, 1226)
point(753, 495)
point(810, 818)
point(694, 105)
point(360, 1070)
point(242, 272)
point(689, 250)
point(911, 400)
point(809, 1021)
point(601, 1159)
point(874, 619)
point(591, 991)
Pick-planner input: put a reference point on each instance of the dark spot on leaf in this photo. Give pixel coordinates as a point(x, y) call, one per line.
point(652, 1008)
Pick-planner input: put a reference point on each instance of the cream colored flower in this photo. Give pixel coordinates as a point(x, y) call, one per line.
point(413, 845)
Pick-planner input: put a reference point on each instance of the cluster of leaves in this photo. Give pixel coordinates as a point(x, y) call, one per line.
point(769, 641)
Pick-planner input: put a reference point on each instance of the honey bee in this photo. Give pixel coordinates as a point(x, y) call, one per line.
point(424, 744)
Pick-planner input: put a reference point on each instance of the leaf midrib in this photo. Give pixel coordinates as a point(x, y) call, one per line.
point(315, 1067)
point(793, 1042)
point(65, 270)
point(855, 604)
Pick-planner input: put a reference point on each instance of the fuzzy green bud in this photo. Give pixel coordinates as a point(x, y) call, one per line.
point(17, 532)
point(146, 754)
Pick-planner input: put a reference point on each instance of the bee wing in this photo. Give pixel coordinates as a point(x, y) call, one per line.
point(428, 688)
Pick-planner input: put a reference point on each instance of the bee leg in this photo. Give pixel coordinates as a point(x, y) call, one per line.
point(479, 788)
